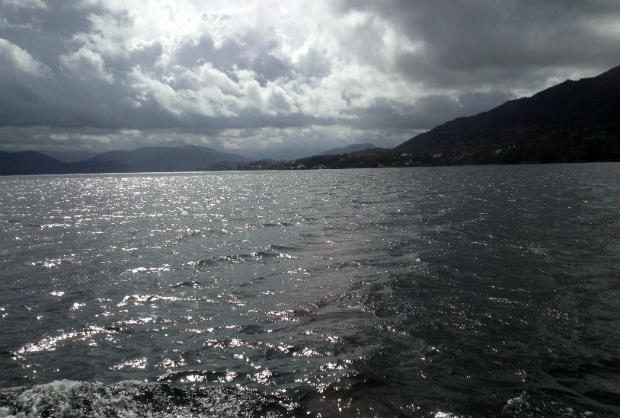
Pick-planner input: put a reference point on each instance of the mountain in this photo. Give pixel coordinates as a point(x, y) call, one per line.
point(349, 149)
point(572, 121)
point(69, 156)
point(33, 162)
point(183, 158)
point(28, 162)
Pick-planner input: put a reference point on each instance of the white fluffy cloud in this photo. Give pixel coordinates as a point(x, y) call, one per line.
point(278, 76)
point(15, 61)
point(86, 65)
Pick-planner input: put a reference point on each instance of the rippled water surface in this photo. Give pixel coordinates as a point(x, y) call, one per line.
point(440, 292)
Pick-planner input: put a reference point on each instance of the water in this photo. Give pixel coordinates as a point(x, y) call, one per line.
point(431, 292)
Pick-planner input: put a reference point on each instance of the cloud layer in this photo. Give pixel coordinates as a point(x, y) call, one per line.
point(279, 77)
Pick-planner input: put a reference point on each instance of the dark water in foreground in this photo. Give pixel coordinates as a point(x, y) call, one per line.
point(431, 292)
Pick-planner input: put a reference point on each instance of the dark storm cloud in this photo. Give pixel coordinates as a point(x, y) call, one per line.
point(47, 31)
point(476, 41)
point(46, 38)
point(427, 112)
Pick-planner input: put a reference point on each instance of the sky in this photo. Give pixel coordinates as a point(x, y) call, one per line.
point(279, 79)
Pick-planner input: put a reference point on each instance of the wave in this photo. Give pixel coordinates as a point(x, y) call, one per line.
point(362, 391)
point(185, 283)
point(261, 255)
point(68, 398)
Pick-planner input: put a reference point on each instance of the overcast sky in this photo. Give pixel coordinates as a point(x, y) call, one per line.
point(285, 78)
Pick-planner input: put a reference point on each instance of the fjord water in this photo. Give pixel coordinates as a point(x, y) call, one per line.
point(442, 292)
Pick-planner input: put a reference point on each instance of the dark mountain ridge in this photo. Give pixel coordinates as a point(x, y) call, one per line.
point(34, 162)
point(349, 149)
point(571, 121)
point(28, 162)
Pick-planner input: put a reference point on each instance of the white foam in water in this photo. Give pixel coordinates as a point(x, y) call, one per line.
point(440, 414)
point(133, 399)
point(67, 398)
point(516, 405)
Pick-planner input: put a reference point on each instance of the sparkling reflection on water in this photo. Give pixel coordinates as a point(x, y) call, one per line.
point(471, 290)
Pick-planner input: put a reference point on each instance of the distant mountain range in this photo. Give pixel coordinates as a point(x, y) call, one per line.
point(182, 158)
point(572, 121)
